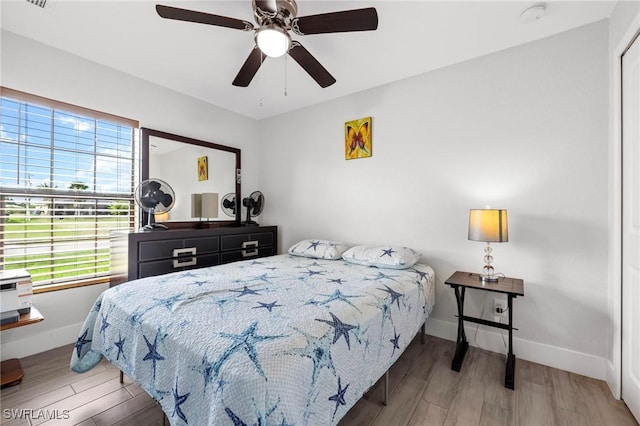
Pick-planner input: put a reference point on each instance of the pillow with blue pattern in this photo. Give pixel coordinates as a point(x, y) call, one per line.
point(392, 257)
point(319, 249)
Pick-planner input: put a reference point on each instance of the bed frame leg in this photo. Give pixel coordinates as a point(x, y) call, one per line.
point(386, 388)
point(121, 377)
point(422, 332)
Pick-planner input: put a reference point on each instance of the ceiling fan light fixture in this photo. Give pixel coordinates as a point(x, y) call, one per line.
point(275, 19)
point(273, 40)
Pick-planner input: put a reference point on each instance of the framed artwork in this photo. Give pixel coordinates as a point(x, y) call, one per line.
point(203, 168)
point(357, 138)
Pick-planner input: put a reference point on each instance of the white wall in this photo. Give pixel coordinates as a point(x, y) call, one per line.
point(524, 129)
point(35, 68)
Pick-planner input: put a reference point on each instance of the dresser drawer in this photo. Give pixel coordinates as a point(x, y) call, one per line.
point(159, 267)
point(243, 241)
point(155, 250)
point(236, 255)
point(144, 254)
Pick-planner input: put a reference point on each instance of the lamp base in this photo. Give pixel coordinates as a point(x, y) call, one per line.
point(488, 278)
point(209, 225)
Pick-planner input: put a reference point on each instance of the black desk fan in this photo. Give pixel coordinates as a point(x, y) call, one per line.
point(154, 196)
point(228, 204)
point(254, 204)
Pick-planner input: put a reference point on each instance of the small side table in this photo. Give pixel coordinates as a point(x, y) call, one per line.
point(512, 287)
point(11, 370)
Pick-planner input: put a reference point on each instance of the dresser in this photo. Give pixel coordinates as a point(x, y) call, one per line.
point(144, 254)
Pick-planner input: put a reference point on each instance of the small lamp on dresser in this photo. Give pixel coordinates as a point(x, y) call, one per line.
point(209, 208)
point(204, 205)
point(490, 226)
point(196, 206)
point(161, 217)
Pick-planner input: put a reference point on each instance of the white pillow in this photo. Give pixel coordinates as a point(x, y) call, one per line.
point(392, 257)
point(319, 249)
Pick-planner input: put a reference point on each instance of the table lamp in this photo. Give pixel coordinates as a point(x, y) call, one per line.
point(209, 205)
point(490, 226)
point(196, 205)
point(161, 217)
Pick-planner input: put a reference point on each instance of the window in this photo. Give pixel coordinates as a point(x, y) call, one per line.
point(67, 178)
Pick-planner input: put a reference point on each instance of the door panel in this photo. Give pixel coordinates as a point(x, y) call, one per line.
point(631, 228)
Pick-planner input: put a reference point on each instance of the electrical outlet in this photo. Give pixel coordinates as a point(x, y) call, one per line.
point(499, 309)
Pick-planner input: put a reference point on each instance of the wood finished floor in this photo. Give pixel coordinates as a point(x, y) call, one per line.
point(423, 391)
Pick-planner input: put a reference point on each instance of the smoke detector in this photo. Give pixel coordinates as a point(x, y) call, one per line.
point(533, 13)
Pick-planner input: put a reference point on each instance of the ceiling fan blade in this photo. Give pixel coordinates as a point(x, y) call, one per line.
point(249, 68)
point(178, 14)
point(311, 65)
point(336, 22)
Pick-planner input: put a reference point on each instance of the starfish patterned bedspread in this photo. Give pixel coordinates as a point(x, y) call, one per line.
point(281, 340)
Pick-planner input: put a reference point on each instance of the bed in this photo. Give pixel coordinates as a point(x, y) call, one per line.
point(281, 340)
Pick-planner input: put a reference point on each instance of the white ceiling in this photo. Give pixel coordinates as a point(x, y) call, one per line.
point(413, 37)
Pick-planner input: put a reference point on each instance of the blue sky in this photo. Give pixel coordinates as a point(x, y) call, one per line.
point(27, 152)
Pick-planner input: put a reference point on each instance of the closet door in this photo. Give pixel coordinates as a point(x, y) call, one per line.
point(631, 228)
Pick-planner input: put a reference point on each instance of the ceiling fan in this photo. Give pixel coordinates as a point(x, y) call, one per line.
point(275, 19)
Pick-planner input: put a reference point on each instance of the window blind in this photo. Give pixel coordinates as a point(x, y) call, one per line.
point(67, 178)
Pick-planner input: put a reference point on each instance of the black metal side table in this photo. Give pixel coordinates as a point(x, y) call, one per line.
point(512, 287)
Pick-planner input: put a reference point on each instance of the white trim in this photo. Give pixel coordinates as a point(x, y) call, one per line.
point(541, 353)
point(614, 367)
point(41, 342)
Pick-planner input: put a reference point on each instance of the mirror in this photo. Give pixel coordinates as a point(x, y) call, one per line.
point(191, 166)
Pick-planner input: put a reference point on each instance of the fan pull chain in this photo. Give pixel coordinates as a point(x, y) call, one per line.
point(260, 71)
point(285, 74)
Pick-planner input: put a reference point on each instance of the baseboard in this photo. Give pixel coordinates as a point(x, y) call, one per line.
point(541, 353)
point(613, 380)
point(41, 342)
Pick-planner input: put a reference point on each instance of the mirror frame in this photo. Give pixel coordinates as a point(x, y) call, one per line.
point(144, 174)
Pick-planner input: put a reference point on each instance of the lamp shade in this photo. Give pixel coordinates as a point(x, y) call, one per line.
point(161, 217)
point(489, 225)
point(196, 205)
point(209, 204)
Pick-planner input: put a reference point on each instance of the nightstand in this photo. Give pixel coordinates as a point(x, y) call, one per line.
point(512, 287)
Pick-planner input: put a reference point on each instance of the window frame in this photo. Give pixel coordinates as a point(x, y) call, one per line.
point(94, 115)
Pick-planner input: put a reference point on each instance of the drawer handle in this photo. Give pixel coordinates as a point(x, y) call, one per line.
point(248, 253)
point(188, 250)
point(178, 263)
